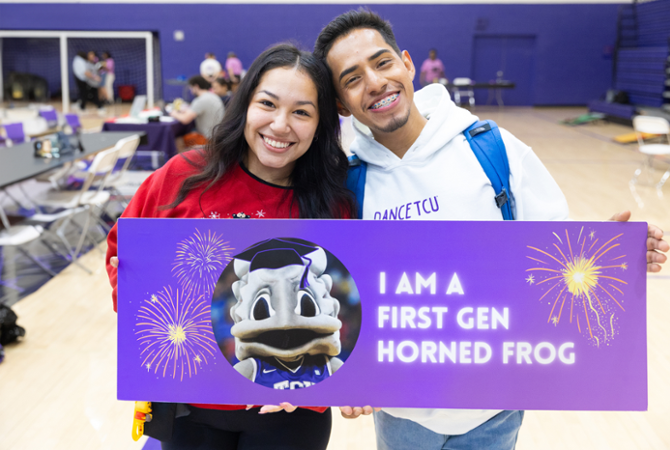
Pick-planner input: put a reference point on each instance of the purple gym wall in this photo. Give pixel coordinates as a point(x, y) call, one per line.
point(571, 63)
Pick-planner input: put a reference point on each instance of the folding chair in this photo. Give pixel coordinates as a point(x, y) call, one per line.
point(69, 203)
point(462, 88)
point(51, 116)
point(73, 121)
point(127, 148)
point(651, 125)
point(18, 235)
point(14, 133)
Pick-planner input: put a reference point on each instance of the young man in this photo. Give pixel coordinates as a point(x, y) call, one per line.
point(415, 149)
point(206, 109)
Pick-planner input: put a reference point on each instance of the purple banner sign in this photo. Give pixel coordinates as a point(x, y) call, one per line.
point(490, 315)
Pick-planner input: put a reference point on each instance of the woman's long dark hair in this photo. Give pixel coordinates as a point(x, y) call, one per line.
point(318, 178)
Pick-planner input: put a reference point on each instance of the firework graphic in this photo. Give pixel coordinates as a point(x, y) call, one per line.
point(175, 333)
point(581, 278)
point(200, 260)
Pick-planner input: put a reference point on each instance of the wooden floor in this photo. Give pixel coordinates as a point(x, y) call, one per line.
point(57, 387)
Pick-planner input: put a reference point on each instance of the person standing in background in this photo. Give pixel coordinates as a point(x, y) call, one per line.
point(108, 76)
point(234, 68)
point(432, 69)
point(87, 80)
point(210, 68)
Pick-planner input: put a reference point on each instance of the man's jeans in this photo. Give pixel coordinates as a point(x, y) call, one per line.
point(498, 433)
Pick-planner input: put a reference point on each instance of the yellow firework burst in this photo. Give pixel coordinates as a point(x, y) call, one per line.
point(580, 276)
point(577, 274)
point(174, 331)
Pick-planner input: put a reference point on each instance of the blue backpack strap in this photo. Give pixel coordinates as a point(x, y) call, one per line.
point(356, 181)
point(487, 144)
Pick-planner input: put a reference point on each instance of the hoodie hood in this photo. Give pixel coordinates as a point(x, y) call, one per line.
point(445, 122)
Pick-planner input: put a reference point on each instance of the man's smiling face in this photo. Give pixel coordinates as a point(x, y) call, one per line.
point(372, 81)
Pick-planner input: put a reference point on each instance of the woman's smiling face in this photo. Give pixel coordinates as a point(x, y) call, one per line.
point(281, 123)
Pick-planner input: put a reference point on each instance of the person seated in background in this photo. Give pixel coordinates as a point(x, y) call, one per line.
point(221, 87)
point(432, 69)
point(234, 67)
point(206, 109)
point(210, 68)
point(234, 84)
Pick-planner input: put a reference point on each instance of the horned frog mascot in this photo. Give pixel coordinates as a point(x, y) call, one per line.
point(287, 334)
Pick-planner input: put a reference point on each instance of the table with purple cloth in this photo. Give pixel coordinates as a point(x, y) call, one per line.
point(160, 136)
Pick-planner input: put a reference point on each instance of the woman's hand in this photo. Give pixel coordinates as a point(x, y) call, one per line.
point(284, 406)
point(349, 412)
point(114, 261)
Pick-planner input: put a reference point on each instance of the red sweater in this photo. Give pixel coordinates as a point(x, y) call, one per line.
point(238, 193)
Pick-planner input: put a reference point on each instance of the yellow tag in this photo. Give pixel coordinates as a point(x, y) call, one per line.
point(139, 417)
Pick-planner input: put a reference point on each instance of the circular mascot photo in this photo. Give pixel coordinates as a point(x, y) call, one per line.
point(286, 313)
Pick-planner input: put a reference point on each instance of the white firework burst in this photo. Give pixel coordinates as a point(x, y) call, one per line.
point(199, 262)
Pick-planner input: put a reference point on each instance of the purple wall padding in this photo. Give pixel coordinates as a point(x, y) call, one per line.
point(571, 62)
point(613, 109)
point(653, 23)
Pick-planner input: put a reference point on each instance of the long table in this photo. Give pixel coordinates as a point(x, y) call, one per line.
point(160, 136)
point(494, 90)
point(18, 163)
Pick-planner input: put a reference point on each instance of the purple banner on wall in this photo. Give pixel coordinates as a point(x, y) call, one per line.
point(482, 315)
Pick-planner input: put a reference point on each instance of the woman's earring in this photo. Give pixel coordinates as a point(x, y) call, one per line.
point(316, 138)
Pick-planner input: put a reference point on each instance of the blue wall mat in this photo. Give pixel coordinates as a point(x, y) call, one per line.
point(44, 59)
point(571, 66)
point(41, 56)
point(515, 57)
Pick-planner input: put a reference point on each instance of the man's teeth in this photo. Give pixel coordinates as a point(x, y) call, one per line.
point(276, 144)
point(385, 102)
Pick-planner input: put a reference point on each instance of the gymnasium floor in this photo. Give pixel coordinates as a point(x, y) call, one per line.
point(57, 387)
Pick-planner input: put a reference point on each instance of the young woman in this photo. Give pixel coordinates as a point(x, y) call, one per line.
point(108, 77)
point(276, 154)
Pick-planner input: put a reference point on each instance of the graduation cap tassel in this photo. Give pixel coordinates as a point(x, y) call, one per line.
point(304, 282)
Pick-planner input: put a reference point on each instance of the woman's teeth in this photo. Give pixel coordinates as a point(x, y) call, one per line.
point(276, 144)
point(385, 102)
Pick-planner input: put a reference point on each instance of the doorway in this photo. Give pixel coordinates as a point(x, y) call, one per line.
point(514, 56)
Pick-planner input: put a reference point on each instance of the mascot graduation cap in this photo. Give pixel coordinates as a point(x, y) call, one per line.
point(286, 329)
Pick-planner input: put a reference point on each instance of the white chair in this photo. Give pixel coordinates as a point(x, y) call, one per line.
point(651, 125)
point(57, 176)
point(127, 148)
point(69, 203)
point(462, 87)
point(18, 235)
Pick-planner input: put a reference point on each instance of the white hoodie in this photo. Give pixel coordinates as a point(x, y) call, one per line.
point(439, 178)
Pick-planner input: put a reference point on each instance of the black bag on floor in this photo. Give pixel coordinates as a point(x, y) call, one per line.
point(9, 330)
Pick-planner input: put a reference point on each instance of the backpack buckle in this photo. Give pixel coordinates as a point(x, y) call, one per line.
point(480, 129)
point(501, 198)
